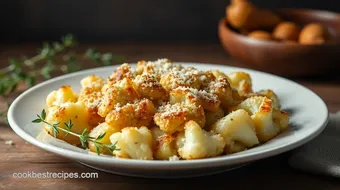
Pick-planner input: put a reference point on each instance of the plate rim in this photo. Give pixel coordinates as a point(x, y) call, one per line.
point(160, 164)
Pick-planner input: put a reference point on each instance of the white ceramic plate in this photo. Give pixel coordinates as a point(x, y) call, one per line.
point(309, 116)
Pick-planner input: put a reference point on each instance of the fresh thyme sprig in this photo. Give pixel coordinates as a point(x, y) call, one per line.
point(43, 65)
point(83, 137)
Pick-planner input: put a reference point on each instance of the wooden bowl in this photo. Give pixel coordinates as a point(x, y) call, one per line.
point(287, 59)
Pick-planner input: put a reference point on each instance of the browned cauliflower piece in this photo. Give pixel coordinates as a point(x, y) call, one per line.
point(241, 81)
point(269, 94)
point(148, 86)
point(62, 95)
point(63, 114)
point(164, 145)
point(212, 117)
point(92, 100)
point(194, 96)
point(137, 114)
point(122, 92)
point(124, 71)
point(99, 130)
point(93, 82)
point(187, 77)
point(222, 89)
point(171, 118)
point(261, 110)
point(158, 67)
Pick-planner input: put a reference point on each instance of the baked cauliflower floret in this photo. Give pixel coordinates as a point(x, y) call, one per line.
point(158, 67)
point(269, 94)
point(261, 110)
point(122, 92)
point(212, 117)
point(137, 114)
point(99, 130)
point(62, 95)
point(124, 71)
point(222, 89)
point(63, 114)
point(164, 145)
point(171, 118)
point(92, 101)
point(205, 78)
point(195, 143)
point(281, 119)
point(241, 81)
point(134, 143)
point(148, 86)
point(238, 131)
point(93, 82)
point(187, 77)
point(193, 96)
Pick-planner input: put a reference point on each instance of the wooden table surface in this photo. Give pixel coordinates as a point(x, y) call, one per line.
point(272, 173)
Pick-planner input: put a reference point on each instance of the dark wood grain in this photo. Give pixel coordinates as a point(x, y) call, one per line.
point(272, 173)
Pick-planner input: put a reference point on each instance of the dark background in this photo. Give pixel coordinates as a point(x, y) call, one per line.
point(125, 20)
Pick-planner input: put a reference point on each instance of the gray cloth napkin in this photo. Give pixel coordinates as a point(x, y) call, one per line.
point(322, 154)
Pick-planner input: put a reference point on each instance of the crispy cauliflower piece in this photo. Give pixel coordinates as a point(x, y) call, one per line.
point(187, 77)
point(212, 117)
point(122, 92)
point(196, 143)
point(62, 95)
point(241, 81)
point(124, 71)
point(99, 130)
point(269, 94)
point(134, 143)
point(164, 145)
point(222, 89)
point(137, 114)
point(63, 114)
point(93, 82)
point(148, 86)
point(261, 110)
point(238, 131)
point(92, 100)
point(193, 96)
point(171, 118)
point(158, 67)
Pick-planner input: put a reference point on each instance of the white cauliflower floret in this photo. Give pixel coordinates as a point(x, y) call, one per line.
point(62, 95)
point(195, 143)
point(238, 131)
point(63, 114)
point(134, 143)
point(99, 130)
point(261, 110)
point(164, 145)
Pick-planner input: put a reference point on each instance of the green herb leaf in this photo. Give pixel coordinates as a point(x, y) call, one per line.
point(101, 136)
point(43, 114)
point(37, 120)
